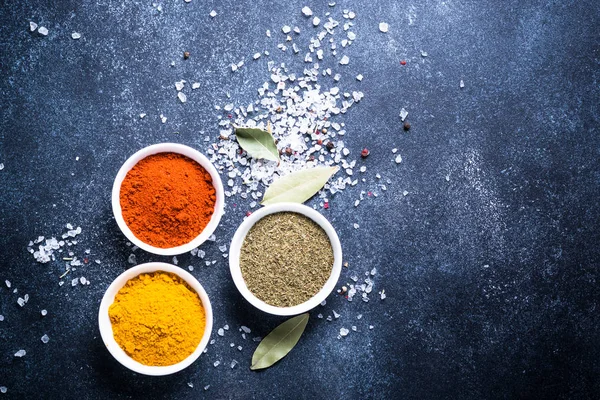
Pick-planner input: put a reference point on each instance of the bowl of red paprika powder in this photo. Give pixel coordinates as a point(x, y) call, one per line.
point(168, 199)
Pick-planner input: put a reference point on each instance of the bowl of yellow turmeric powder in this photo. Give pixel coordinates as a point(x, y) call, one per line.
point(168, 199)
point(155, 319)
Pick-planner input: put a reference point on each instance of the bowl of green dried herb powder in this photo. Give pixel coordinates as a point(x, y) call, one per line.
point(285, 259)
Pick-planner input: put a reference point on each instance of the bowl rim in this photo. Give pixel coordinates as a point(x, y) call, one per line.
point(240, 235)
point(169, 148)
point(105, 325)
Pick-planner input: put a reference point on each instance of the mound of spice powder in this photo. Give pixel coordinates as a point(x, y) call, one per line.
point(167, 199)
point(286, 258)
point(157, 319)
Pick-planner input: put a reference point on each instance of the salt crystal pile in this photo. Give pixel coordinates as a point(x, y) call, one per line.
point(302, 115)
point(45, 252)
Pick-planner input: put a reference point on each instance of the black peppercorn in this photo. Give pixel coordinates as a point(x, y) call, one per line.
point(330, 145)
point(186, 55)
point(406, 126)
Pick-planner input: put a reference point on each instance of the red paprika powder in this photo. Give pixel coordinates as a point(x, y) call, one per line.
point(167, 199)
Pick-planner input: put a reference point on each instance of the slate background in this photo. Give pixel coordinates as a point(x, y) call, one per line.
point(491, 276)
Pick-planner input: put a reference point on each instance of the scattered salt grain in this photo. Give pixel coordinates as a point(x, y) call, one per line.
point(45, 339)
point(461, 84)
point(256, 56)
point(175, 260)
point(32, 26)
point(190, 268)
point(163, 119)
point(320, 316)
point(398, 159)
point(216, 363)
point(359, 316)
point(345, 60)
point(190, 384)
point(240, 348)
point(233, 364)
point(383, 27)
point(142, 115)
point(75, 35)
point(382, 294)
point(179, 85)
point(335, 315)
point(424, 53)
point(44, 313)
point(354, 328)
point(245, 329)
point(344, 332)
point(1, 317)
point(43, 31)
point(8, 284)
point(359, 77)
point(373, 271)
point(286, 29)
point(403, 114)
point(405, 193)
point(21, 302)
point(74, 282)
point(195, 85)
point(316, 21)
point(206, 387)
point(213, 13)
point(356, 226)
point(132, 259)
point(371, 327)
point(307, 11)
point(221, 332)
point(20, 353)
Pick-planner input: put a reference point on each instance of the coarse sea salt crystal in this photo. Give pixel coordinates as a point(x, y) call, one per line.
point(3, 389)
point(403, 114)
point(20, 353)
point(256, 56)
point(1, 317)
point(344, 332)
point(307, 11)
point(213, 13)
point(45, 339)
point(195, 85)
point(286, 29)
point(220, 332)
point(335, 315)
point(43, 30)
point(461, 84)
point(398, 159)
point(182, 97)
point(75, 35)
point(163, 119)
point(216, 363)
point(8, 284)
point(142, 115)
point(316, 21)
point(32, 26)
point(383, 27)
point(245, 329)
point(359, 77)
point(179, 85)
point(356, 226)
point(44, 313)
point(345, 60)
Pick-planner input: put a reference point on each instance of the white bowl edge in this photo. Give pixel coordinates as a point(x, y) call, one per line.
point(188, 152)
point(240, 235)
point(106, 326)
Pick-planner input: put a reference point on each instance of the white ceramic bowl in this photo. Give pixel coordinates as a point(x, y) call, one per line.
point(106, 326)
point(238, 240)
point(188, 152)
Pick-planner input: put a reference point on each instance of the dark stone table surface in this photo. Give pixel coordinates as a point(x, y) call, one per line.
point(490, 262)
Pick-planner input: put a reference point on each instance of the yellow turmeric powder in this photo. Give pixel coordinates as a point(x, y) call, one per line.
point(157, 319)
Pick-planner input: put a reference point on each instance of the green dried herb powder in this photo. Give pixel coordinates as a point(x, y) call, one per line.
point(285, 259)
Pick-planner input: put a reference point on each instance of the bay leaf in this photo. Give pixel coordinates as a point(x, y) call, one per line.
point(298, 186)
point(258, 143)
point(279, 342)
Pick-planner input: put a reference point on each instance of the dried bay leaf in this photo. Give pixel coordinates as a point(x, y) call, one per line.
point(298, 186)
point(258, 143)
point(279, 342)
